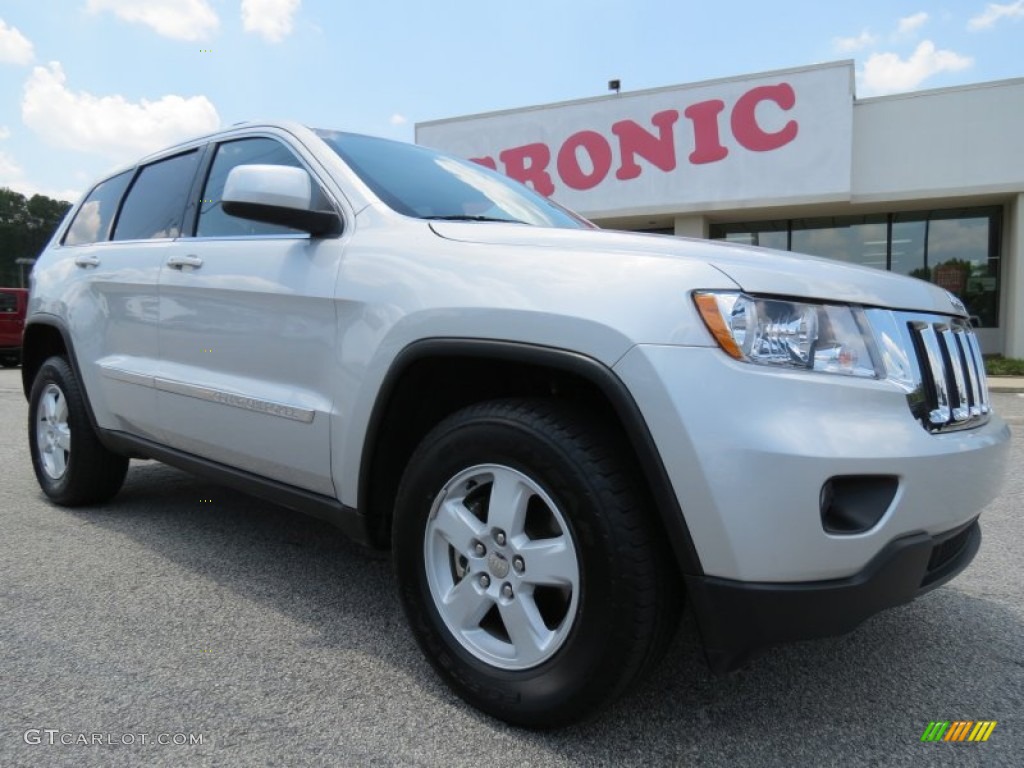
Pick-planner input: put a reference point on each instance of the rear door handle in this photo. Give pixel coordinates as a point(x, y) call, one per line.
point(87, 261)
point(180, 262)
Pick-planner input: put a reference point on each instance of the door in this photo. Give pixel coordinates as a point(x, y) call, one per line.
point(247, 334)
point(116, 255)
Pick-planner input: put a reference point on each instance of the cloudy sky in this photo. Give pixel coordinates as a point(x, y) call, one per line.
point(89, 84)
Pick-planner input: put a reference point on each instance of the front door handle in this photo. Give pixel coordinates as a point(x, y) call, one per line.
point(180, 262)
point(87, 261)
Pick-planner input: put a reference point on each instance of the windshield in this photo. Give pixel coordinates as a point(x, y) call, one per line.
point(417, 181)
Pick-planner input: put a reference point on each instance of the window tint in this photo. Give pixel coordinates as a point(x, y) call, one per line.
point(92, 221)
point(417, 181)
point(213, 222)
point(156, 201)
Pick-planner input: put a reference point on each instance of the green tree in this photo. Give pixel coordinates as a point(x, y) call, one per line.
point(26, 225)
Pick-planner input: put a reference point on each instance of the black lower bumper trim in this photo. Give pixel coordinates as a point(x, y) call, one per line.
point(737, 619)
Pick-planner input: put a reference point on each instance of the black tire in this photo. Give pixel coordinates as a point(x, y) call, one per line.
point(88, 473)
point(628, 597)
point(10, 361)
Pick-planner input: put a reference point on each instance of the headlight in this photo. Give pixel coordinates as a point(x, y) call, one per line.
point(832, 338)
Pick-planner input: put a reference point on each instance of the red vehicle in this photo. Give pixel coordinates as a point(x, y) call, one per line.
point(13, 302)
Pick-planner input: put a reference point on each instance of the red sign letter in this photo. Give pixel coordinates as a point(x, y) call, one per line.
point(486, 162)
point(744, 118)
point(706, 146)
point(535, 172)
point(600, 156)
point(635, 140)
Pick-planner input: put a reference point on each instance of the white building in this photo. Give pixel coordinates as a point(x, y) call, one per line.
point(929, 183)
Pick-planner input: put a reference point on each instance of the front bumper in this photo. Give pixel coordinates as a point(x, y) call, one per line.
point(737, 619)
point(748, 452)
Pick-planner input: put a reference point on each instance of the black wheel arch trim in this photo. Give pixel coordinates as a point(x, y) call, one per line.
point(58, 324)
point(593, 371)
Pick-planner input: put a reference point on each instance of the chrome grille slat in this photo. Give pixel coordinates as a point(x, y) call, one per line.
point(940, 411)
point(979, 367)
point(961, 406)
point(966, 360)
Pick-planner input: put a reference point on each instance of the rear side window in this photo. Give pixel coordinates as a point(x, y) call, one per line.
point(213, 222)
point(92, 221)
point(156, 201)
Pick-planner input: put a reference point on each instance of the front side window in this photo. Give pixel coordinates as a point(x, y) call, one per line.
point(92, 220)
point(417, 181)
point(156, 201)
point(213, 222)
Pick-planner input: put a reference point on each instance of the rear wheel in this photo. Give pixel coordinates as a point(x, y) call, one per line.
point(70, 463)
point(529, 569)
point(10, 361)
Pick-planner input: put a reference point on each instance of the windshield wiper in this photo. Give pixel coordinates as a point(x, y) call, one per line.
point(467, 217)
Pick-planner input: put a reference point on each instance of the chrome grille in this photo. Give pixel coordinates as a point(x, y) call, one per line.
point(937, 360)
point(953, 372)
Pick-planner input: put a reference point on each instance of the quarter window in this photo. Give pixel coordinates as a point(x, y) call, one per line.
point(92, 220)
point(213, 222)
point(156, 201)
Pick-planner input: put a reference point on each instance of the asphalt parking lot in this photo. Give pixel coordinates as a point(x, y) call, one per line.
point(183, 611)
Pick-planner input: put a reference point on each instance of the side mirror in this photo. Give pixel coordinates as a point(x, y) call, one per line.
point(276, 194)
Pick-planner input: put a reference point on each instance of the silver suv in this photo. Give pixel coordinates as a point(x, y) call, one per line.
point(562, 434)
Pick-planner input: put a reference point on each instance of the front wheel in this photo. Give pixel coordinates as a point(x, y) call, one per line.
point(70, 463)
point(529, 568)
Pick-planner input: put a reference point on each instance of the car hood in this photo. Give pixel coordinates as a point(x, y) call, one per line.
point(755, 270)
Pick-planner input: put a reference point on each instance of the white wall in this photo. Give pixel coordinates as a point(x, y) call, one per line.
point(692, 226)
point(948, 143)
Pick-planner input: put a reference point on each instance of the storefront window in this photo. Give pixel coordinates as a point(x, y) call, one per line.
point(854, 239)
point(767, 234)
point(957, 249)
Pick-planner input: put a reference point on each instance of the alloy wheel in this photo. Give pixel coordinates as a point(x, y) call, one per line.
point(501, 566)
point(53, 434)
